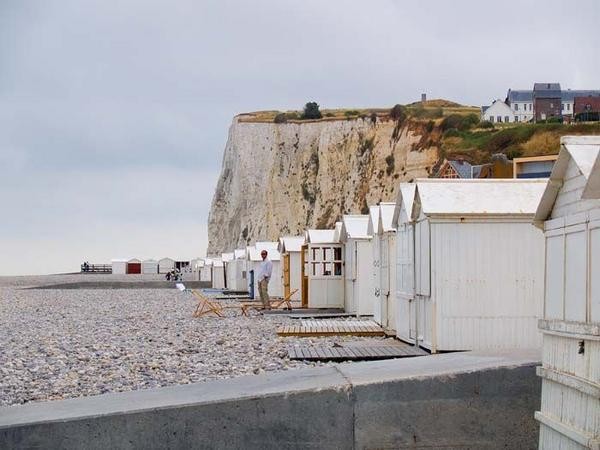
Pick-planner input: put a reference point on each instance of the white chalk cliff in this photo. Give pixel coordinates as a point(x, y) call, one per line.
point(279, 179)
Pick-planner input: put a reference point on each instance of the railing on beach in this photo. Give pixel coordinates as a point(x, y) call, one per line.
point(96, 268)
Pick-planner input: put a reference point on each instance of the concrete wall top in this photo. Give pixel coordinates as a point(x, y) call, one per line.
point(338, 378)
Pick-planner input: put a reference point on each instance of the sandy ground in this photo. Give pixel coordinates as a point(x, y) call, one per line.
point(61, 343)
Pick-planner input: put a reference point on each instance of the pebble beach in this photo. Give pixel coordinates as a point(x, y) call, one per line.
point(64, 343)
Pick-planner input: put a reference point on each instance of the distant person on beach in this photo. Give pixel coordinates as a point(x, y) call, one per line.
point(263, 276)
point(168, 276)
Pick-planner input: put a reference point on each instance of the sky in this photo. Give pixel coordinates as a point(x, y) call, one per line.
point(114, 115)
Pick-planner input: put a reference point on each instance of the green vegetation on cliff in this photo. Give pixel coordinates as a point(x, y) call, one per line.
point(453, 128)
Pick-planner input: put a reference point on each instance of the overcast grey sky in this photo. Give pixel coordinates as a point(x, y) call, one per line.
point(114, 115)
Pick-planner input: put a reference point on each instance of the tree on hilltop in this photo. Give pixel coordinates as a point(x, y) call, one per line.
point(311, 111)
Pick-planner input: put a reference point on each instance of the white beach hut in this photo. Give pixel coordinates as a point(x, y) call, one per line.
point(569, 214)
point(478, 264)
point(253, 260)
point(227, 258)
point(358, 260)
point(237, 272)
point(149, 266)
point(372, 230)
point(218, 274)
point(386, 235)
point(206, 271)
point(165, 265)
point(119, 266)
point(290, 249)
point(402, 222)
point(323, 269)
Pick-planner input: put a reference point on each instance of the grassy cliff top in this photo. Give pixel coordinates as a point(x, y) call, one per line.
point(431, 109)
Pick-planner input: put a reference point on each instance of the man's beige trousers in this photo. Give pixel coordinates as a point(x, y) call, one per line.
point(263, 290)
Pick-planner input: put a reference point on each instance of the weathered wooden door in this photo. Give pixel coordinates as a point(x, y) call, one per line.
point(286, 275)
point(304, 266)
point(424, 326)
point(384, 280)
point(406, 322)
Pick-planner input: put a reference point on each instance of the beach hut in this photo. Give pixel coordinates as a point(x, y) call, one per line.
point(569, 214)
point(119, 266)
point(134, 266)
point(165, 265)
point(478, 264)
point(402, 222)
point(218, 274)
point(290, 249)
point(253, 260)
point(149, 266)
point(229, 279)
point(386, 235)
point(323, 269)
point(206, 271)
point(236, 271)
point(358, 260)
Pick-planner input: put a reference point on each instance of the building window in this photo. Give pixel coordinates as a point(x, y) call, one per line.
point(530, 107)
point(499, 119)
point(551, 105)
point(506, 119)
point(491, 118)
point(568, 107)
point(516, 118)
point(516, 106)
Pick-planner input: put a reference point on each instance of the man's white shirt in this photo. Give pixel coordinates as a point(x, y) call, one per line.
point(265, 269)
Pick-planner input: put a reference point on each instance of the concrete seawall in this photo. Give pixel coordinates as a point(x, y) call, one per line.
point(453, 401)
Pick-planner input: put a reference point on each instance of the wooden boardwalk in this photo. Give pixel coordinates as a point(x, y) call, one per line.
point(309, 328)
point(354, 353)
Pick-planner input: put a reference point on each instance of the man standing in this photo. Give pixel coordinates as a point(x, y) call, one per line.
point(263, 276)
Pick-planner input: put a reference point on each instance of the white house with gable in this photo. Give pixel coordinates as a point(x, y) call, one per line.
point(498, 112)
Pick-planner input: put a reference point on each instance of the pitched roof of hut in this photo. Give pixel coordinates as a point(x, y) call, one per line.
point(355, 227)
point(386, 217)
point(482, 197)
point(585, 153)
point(406, 197)
point(373, 227)
point(290, 244)
point(321, 236)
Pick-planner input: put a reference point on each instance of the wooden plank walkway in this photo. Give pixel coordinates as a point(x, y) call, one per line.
point(332, 328)
point(354, 353)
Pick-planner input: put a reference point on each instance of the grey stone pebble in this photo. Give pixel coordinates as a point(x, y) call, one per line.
point(57, 344)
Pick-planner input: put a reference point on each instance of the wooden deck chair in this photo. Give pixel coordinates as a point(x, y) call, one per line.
point(275, 304)
point(205, 305)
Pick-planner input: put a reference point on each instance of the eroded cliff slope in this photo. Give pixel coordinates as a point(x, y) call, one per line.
point(279, 179)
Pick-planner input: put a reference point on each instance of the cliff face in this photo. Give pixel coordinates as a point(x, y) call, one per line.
point(279, 179)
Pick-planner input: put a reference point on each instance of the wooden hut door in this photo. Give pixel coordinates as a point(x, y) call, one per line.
point(423, 314)
point(405, 277)
point(286, 275)
point(304, 266)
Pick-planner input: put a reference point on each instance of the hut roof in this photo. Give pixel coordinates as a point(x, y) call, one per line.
point(386, 217)
point(406, 196)
point(321, 236)
point(485, 197)
point(585, 153)
point(355, 227)
point(373, 227)
point(290, 244)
